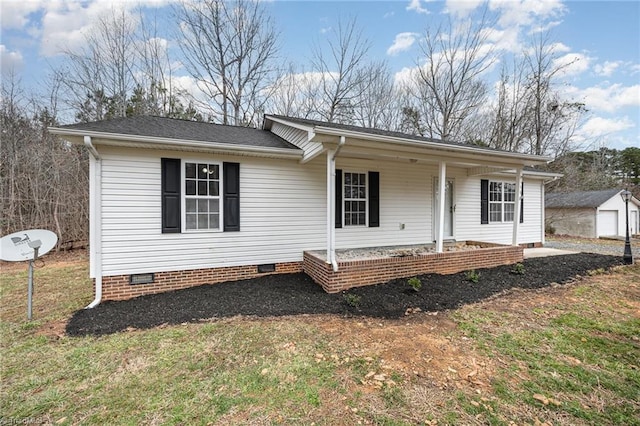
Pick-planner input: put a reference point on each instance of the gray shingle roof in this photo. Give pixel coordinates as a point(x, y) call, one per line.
point(575, 200)
point(372, 131)
point(170, 128)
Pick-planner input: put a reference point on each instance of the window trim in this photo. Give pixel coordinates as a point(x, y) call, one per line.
point(184, 196)
point(366, 199)
point(502, 201)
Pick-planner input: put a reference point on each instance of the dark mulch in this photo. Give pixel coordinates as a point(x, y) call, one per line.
point(295, 294)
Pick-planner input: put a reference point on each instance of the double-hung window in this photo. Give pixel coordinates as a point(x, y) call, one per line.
point(502, 198)
point(202, 184)
point(355, 199)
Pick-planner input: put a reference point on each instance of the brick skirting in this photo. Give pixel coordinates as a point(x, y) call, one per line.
point(118, 287)
point(354, 273)
point(357, 273)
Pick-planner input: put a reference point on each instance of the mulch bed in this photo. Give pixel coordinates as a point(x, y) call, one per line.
point(296, 294)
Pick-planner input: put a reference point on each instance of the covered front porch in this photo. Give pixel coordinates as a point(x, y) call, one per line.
point(436, 167)
point(387, 188)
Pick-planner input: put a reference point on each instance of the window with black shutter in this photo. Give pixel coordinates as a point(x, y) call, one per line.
point(357, 199)
point(207, 191)
point(498, 202)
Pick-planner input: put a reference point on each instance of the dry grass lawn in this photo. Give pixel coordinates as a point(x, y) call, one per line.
point(561, 355)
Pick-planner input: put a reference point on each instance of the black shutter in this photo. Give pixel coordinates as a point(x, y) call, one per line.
point(231, 194)
point(484, 201)
point(374, 199)
point(522, 203)
point(170, 193)
point(338, 191)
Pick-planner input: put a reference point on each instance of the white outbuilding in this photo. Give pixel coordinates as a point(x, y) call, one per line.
point(591, 214)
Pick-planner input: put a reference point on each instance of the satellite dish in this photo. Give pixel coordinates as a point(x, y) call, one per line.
point(21, 245)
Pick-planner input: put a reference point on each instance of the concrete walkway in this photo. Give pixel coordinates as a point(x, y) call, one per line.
point(544, 252)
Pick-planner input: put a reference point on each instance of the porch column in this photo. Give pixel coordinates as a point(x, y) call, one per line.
point(442, 182)
point(516, 213)
point(543, 219)
point(331, 208)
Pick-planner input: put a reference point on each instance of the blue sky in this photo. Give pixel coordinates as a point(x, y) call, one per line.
point(602, 36)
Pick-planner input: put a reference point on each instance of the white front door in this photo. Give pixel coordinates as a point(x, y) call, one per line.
point(449, 208)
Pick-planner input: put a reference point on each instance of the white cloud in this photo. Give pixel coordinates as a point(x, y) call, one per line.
point(462, 8)
point(10, 61)
point(416, 5)
point(526, 12)
point(572, 64)
point(607, 98)
point(606, 69)
point(402, 42)
point(543, 28)
point(406, 76)
point(597, 127)
point(503, 40)
point(65, 24)
point(14, 14)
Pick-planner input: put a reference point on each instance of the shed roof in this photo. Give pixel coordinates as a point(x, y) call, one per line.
point(576, 200)
point(171, 128)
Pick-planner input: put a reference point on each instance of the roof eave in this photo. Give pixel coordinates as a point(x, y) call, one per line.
point(270, 118)
point(75, 136)
point(525, 159)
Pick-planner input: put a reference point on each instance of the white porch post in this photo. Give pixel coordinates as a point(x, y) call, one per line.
point(543, 219)
point(442, 182)
point(331, 208)
point(518, 204)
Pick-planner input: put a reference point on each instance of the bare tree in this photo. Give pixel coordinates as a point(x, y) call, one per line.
point(342, 71)
point(294, 93)
point(551, 120)
point(378, 104)
point(448, 86)
point(43, 181)
point(98, 77)
point(123, 69)
point(508, 115)
point(230, 49)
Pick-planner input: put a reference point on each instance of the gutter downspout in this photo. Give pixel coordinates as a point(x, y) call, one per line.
point(96, 214)
point(331, 204)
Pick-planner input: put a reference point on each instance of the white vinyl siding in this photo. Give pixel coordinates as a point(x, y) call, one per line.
point(405, 199)
point(282, 212)
point(279, 220)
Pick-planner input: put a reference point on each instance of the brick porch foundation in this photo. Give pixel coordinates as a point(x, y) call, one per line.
point(357, 273)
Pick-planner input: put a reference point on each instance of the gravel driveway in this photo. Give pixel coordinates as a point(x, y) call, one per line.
point(592, 245)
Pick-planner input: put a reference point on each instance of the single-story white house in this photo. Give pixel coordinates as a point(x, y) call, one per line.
point(179, 203)
point(591, 214)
